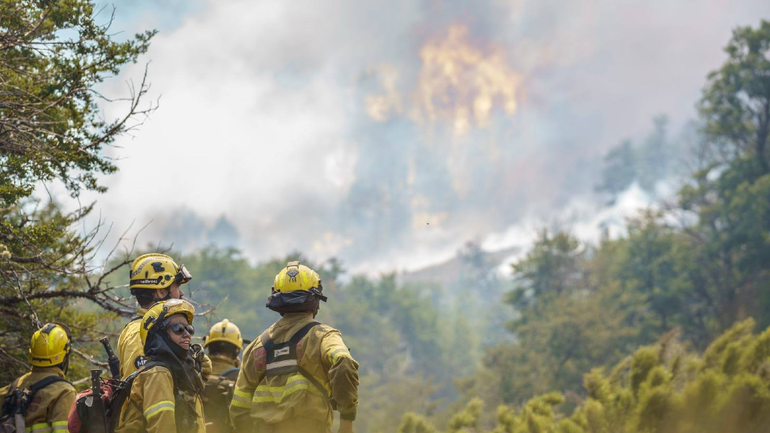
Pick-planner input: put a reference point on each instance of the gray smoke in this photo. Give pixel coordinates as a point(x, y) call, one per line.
point(304, 125)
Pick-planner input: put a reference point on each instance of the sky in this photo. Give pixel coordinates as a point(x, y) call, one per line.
point(389, 133)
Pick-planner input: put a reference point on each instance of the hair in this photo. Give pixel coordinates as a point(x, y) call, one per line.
point(146, 298)
point(223, 348)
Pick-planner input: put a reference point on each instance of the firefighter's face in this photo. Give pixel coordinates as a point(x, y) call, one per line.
point(179, 331)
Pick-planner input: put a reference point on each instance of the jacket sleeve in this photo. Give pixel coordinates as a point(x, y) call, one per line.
point(58, 411)
point(130, 348)
point(248, 379)
point(158, 401)
point(343, 374)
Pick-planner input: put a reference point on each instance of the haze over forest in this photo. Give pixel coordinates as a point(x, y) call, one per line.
point(391, 139)
point(528, 216)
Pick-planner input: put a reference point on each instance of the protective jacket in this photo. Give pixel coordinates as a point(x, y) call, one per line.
point(152, 405)
point(131, 350)
point(50, 406)
point(222, 363)
point(219, 393)
point(130, 347)
point(291, 402)
point(165, 396)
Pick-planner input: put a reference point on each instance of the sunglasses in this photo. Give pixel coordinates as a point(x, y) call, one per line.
point(180, 328)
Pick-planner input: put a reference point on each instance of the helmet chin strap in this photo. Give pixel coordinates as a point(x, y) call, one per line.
point(66, 364)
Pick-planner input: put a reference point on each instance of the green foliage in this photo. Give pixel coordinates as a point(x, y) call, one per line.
point(467, 420)
point(413, 423)
point(53, 55)
point(651, 398)
point(579, 306)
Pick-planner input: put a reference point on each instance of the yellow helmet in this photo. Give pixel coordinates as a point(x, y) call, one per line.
point(296, 277)
point(225, 331)
point(296, 288)
point(156, 271)
point(158, 313)
point(50, 345)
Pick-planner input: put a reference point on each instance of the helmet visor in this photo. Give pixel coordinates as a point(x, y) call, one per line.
point(183, 275)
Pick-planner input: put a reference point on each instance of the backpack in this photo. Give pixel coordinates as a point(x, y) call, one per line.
point(114, 395)
point(17, 402)
point(282, 359)
point(217, 395)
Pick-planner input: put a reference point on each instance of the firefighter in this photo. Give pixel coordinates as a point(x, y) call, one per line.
point(49, 406)
point(153, 277)
point(224, 343)
point(298, 371)
point(165, 394)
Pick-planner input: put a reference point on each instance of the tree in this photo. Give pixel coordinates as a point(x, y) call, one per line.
point(53, 56)
point(50, 123)
point(730, 195)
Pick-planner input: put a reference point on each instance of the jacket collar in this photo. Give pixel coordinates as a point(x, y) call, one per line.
point(48, 371)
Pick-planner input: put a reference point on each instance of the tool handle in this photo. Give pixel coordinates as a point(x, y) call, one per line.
point(106, 343)
point(113, 360)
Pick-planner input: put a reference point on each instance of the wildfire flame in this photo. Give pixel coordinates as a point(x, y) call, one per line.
point(383, 106)
point(460, 83)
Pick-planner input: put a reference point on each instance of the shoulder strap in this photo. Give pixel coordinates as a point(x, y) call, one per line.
point(295, 339)
point(151, 364)
point(133, 319)
point(302, 332)
point(122, 394)
point(42, 383)
point(268, 343)
point(315, 383)
point(227, 374)
point(37, 386)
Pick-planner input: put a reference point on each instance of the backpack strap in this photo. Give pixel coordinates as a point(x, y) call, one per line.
point(281, 358)
point(269, 346)
point(228, 374)
point(123, 393)
point(295, 339)
point(317, 384)
point(42, 383)
point(133, 319)
point(37, 386)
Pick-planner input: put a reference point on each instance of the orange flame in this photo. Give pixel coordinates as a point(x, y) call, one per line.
point(461, 84)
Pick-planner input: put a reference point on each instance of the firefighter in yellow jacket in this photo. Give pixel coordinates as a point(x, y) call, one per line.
point(49, 355)
point(224, 343)
point(153, 277)
point(165, 395)
point(298, 371)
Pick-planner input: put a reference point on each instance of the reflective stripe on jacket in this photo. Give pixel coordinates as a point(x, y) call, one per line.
point(151, 406)
point(268, 402)
point(50, 407)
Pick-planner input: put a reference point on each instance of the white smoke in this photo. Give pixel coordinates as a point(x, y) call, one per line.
point(295, 121)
